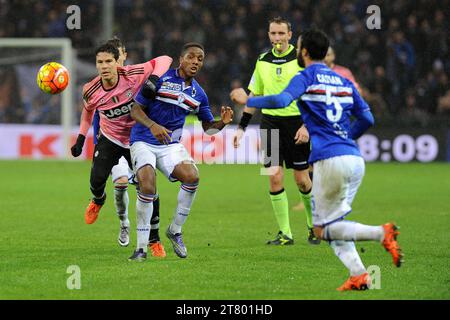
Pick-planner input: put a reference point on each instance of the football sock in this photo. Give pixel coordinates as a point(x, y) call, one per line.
point(352, 231)
point(347, 253)
point(99, 200)
point(154, 222)
point(121, 201)
point(144, 211)
point(306, 197)
point(281, 209)
point(186, 197)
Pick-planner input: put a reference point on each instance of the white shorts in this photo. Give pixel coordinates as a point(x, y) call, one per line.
point(161, 157)
point(335, 182)
point(121, 170)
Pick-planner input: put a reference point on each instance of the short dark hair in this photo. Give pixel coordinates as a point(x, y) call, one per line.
point(190, 45)
point(109, 48)
point(316, 42)
point(115, 41)
point(280, 20)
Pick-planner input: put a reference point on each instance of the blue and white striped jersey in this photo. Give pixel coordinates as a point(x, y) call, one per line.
point(173, 102)
point(327, 103)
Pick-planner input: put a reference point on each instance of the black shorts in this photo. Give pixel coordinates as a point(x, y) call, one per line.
point(106, 156)
point(278, 143)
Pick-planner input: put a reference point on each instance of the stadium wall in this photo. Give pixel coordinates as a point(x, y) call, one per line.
point(379, 144)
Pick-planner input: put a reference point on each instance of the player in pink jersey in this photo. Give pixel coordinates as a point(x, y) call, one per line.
point(112, 93)
point(121, 175)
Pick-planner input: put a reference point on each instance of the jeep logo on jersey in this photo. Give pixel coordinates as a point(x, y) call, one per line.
point(118, 111)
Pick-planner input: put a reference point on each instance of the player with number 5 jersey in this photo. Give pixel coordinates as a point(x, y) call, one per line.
point(327, 102)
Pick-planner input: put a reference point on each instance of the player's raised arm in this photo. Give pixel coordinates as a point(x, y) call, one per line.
point(159, 66)
point(159, 132)
point(212, 127)
point(297, 86)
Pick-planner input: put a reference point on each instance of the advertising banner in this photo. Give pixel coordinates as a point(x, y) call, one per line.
point(380, 144)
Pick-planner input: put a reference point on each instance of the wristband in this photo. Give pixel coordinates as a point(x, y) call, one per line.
point(246, 117)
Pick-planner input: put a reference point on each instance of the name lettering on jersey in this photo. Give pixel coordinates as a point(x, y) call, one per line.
point(279, 60)
point(171, 86)
point(118, 111)
point(340, 131)
point(328, 79)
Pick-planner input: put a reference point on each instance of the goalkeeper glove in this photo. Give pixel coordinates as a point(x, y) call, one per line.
point(149, 87)
point(77, 148)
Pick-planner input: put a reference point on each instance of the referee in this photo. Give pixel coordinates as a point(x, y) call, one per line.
point(284, 138)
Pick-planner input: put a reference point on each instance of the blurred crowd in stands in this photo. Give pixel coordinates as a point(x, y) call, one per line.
point(403, 68)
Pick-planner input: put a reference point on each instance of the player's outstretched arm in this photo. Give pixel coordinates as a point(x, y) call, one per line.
point(160, 66)
point(226, 116)
point(297, 86)
point(158, 131)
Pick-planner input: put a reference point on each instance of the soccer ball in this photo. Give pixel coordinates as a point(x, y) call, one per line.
point(52, 78)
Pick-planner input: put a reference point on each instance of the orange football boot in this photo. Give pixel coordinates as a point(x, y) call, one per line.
point(361, 282)
point(92, 211)
point(157, 249)
point(390, 243)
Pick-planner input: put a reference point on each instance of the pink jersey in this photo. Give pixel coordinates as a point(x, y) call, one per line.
point(346, 73)
point(114, 104)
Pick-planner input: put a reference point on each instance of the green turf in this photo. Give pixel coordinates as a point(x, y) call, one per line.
point(43, 232)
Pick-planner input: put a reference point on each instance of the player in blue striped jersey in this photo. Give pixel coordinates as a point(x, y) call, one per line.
point(327, 103)
point(155, 142)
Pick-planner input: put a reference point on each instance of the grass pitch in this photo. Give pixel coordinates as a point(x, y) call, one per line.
point(43, 232)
